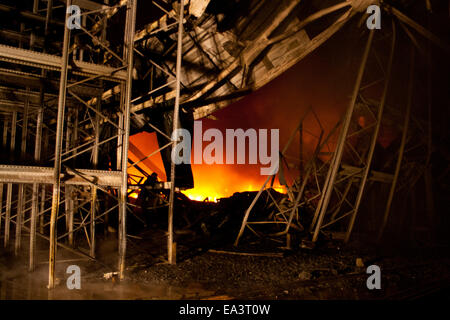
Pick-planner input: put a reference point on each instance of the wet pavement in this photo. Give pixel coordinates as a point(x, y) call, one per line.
point(29, 287)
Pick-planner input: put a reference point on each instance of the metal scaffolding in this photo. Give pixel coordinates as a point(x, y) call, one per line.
point(85, 115)
point(67, 109)
point(77, 126)
point(330, 185)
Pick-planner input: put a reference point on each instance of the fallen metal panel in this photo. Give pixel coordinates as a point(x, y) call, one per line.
point(28, 174)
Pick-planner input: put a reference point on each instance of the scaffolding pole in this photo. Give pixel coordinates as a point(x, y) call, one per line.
point(342, 137)
point(374, 137)
point(128, 52)
point(402, 145)
point(58, 151)
point(170, 243)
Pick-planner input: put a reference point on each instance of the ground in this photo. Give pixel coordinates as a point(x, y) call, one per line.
point(329, 271)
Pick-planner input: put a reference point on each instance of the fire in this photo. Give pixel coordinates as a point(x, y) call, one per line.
point(213, 182)
point(202, 196)
point(134, 194)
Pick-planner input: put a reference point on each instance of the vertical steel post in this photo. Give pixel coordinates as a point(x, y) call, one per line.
point(128, 53)
point(35, 193)
point(95, 156)
point(44, 152)
point(41, 210)
point(21, 194)
point(10, 186)
point(44, 133)
point(300, 147)
point(1, 206)
point(33, 35)
point(175, 127)
point(106, 216)
point(402, 145)
point(94, 188)
point(5, 134)
point(5, 139)
point(430, 205)
point(342, 138)
point(374, 137)
point(37, 154)
point(58, 149)
point(68, 190)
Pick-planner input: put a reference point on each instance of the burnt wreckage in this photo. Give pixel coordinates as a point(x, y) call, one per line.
point(71, 98)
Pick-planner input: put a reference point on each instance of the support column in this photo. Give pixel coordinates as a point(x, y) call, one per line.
point(44, 153)
point(170, 251)
point(94, 188)
point(1, 206)
point(58, 149)
point(68, 194)
point(374, 137)
point(21, 194)
point(5, 138)
point(170, 245)
point(402, 145)
point(44, 132)
point(10, 185)
point(35, 194)
point(128, 54)
point(342, 138)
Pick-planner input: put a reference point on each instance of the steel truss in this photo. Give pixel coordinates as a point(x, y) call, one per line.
point(332, 187)
point(80, 128)
point(76, 128)
point(70, 108)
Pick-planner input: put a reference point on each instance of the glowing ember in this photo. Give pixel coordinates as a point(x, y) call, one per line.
point(212, 186)
point(134, 194)
point(197, 197)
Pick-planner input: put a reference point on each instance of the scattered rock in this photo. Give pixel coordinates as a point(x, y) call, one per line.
point(305, 244)
point(110, 275)
point(359, 263)
point(304, 275)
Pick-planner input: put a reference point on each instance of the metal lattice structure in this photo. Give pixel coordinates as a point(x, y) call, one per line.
point(332, 188)
point(85, 116)
point(68, 129)
point(72, 93)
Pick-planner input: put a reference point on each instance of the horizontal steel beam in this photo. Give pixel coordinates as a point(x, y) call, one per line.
point(163, 185)
point(33, 81)
point(89, 5)
point(14, 106)
point(52, 62)
point(29, 174)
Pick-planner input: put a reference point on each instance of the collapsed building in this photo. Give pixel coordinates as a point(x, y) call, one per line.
point(74, 91)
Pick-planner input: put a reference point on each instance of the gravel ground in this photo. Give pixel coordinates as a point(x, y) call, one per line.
point(330, 272)
point(326, 272)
